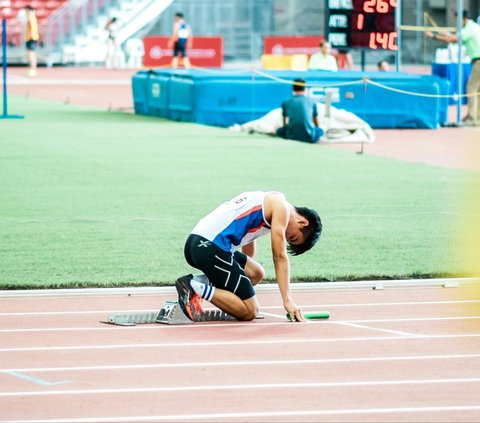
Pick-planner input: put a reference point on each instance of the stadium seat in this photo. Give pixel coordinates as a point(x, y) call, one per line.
point(53, 4)
point(8, 13)
point(276, 61)
point(299, 62)
point(42, 13)
point(19, 4)
point(43, 9)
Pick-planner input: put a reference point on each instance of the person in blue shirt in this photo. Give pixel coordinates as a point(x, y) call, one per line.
point(300, 116)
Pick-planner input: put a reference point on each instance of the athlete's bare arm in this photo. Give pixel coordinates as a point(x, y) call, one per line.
point(278, 211)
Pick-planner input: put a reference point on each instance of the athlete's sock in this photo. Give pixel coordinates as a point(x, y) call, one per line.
point(201, 278)
point(205, 290)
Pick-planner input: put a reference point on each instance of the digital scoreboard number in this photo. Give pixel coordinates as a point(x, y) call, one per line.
point(362, 24)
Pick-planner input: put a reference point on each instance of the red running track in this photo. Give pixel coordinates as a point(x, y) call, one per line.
point(385, 355)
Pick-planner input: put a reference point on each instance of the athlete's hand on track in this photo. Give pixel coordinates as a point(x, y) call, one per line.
point(294, 311)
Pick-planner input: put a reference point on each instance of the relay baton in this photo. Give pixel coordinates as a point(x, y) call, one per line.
point(313, 315)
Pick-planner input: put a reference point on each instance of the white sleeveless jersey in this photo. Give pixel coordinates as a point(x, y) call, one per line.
point(236, 222)
point(183, 31)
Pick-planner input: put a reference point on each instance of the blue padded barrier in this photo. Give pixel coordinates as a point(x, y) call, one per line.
point(158, 95)
point(140, 92)
point(223, 98)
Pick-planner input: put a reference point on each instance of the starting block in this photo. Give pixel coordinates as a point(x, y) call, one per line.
point(170, 314)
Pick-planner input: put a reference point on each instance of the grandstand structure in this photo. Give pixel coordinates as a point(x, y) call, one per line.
point(73, 31)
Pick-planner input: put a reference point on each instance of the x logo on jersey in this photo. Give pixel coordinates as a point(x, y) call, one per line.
point(204, 244)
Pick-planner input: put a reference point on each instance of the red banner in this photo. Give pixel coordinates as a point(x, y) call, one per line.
point(291, 45)
point(205, 52)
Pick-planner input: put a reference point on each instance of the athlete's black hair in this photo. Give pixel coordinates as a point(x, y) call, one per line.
point(179, 15)
point(299, 85)
point(312, 231)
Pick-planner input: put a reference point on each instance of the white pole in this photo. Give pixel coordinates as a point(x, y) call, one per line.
point(460, 73)
point(398, 56)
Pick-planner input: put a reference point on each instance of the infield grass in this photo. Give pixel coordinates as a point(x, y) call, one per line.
point(89, 197)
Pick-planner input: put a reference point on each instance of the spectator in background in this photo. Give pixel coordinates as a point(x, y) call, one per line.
point(180, 41)
point(470, 35)
point(344, 59)
point(323, 60)
point(111, 57)
point(300, 116)
point(31, 39)
point(383, 66)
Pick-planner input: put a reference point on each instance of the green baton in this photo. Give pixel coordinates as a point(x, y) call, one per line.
point(313, 315)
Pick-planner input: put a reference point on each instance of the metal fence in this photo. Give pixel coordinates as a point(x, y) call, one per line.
point(236, 21)
point(243, 23)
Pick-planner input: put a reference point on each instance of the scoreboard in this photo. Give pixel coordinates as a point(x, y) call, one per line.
point(361, 24)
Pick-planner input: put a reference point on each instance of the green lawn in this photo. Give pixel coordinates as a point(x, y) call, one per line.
point(89, 197)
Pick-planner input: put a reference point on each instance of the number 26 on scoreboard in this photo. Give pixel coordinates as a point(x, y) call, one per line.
point(385, 40)
point(379, 6)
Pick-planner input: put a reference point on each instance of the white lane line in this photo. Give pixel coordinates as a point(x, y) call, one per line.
point(395, 332)
point(256, 386)
point(212, 343)
point(246, 363)
point(352, 323)
point(73, 312)
point(413, 319)
point(277, 316)
point(143, 326)
point(66, 313)
point(69, 82)
point(264, 287)
point(259, 414)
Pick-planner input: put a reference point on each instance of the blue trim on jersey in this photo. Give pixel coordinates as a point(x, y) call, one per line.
point(183, 26)
point(234, 233)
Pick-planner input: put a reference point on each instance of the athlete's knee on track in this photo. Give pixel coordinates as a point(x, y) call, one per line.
point(251, 312)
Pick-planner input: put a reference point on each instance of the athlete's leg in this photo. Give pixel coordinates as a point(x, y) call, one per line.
point(230, 289)
point(254, 271)
point(175, 56)
point(186, 62)
point(233, 305)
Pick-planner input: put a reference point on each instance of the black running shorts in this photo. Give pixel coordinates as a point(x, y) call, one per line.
point(223, 269)
point(31, 45)
point(180, 48)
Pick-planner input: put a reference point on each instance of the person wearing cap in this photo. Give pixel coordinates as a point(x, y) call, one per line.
point(470, 36)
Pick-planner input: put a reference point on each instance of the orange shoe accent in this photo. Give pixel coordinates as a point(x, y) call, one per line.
point(194, 306)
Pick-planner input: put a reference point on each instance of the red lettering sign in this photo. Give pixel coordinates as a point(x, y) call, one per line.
point(205, 52)
point(291, 45)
